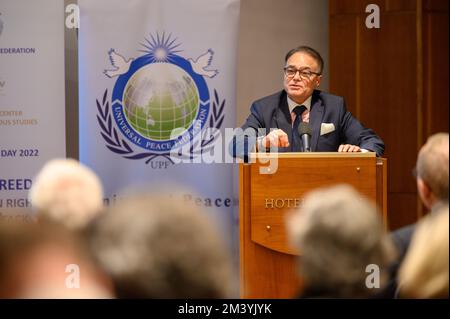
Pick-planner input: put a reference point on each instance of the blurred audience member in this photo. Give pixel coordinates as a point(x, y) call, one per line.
point(424, 271)
point(67, 192)
point(432, 185)
point(338, 233)
point(432, 171)
point(47, 261)
point(153, 247)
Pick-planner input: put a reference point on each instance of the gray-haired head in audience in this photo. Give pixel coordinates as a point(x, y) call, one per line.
point(153, 246)
point(67, 192)
point(432, 171)
point(341, 240)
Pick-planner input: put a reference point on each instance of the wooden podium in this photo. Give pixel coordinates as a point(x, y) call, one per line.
point(275, 183)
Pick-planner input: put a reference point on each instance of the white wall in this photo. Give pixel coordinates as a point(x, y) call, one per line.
point(268, 30)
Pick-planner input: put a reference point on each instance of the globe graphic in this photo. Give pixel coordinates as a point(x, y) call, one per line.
point(161, 101)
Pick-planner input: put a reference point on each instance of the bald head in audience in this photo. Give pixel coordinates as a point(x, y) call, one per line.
point(44, 260)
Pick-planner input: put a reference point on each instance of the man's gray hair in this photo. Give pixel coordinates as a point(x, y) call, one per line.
point(67, 192)
point(338, 234)
point(432, 165)
point(310, 51)
point(157, 247)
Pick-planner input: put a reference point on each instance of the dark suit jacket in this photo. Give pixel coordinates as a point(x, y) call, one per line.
point(402, 239)
point(273, 112)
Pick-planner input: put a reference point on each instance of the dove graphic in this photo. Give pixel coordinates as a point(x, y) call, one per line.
point(119, 63)
point(150, 120)
point(202, 62)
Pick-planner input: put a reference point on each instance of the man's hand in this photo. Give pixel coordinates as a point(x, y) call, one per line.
point(349, 148)
point(276, 138)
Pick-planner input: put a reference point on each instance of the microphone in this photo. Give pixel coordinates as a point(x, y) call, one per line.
point(305, 132)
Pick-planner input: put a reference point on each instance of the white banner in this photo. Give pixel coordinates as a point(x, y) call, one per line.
point(32, 98)
point(154, 76)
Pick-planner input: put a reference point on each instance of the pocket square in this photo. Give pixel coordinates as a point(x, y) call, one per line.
point(326, 128)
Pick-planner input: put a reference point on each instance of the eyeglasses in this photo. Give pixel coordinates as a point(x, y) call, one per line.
point(291, 72)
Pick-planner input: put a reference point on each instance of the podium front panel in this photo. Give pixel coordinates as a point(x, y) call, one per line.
point(268, 193)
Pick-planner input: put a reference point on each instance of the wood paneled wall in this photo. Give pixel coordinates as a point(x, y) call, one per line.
point(395, 80)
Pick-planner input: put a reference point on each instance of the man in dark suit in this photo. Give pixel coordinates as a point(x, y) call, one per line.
point(432, 185)
point(432, 179)
point(274, 120)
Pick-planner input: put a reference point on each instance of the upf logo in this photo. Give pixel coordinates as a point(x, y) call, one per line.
point(160, 102)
